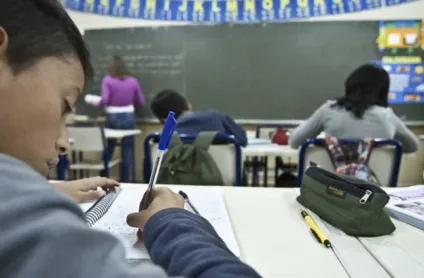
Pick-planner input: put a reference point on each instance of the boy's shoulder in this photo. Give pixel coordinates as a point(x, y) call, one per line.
point(211, 113)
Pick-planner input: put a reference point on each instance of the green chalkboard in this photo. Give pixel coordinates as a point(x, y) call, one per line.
point(249, 71)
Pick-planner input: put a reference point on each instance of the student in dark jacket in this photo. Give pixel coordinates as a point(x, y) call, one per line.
point(44, 66)
point(193, 122)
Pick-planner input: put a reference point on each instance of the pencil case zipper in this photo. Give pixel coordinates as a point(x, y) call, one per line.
point(364, 191)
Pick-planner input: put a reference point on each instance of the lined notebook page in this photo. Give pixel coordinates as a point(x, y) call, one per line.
point(208, 201)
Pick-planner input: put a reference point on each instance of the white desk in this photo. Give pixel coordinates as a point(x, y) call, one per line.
point(258, 141)
point(265, 150)
point(119, 134)
point(272, 236)
point(274, 239)
point(115, 134)
point(402, 253)
point(271, 150)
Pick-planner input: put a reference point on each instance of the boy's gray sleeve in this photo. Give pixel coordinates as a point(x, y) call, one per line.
point(43, 233)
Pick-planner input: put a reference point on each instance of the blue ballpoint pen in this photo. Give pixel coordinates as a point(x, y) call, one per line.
point(165, 139)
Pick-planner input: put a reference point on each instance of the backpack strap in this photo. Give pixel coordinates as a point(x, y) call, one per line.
point(204, 139)
point(365, 147)
point(335, 151)
point(175, 141)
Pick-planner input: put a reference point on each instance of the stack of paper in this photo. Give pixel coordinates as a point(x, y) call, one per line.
point(208, 201)
point(407, 205)
point(92, 99)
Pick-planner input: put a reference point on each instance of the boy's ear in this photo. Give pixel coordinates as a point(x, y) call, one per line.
point(4, 39)
point(189, 105)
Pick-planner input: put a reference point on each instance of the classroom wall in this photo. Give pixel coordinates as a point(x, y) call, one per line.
point(412, 10)
point(412, 165)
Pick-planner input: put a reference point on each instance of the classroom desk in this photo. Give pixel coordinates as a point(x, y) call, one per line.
point(260, 148)
point(119, 134)
point(272, 236)
point(109, 134)
point(275, 240)
point(272, 150)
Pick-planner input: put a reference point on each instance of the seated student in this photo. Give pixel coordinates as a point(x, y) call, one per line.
point(44, 65)
point(362, 113)
point(193, 122)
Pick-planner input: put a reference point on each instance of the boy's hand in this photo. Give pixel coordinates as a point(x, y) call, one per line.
point(162, 198)
point(85, 189)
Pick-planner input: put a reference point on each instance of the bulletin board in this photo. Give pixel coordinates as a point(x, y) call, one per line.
point(401, 50)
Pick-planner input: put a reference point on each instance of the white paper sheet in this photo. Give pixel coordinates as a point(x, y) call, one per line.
point(405, 193)
point(92, 99)
point(208, 202)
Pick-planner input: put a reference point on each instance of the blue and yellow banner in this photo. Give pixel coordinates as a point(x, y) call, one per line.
point(397, 2)
point(217, 11)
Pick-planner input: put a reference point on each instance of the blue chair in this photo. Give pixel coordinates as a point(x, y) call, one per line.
point(225, 150)
point(385, 158)
point(263, 131)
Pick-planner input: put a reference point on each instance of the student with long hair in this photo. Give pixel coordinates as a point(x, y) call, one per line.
point(363, 112)
point(121, 92)
point(44, 65)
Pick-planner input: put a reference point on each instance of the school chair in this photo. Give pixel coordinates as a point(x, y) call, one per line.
point(89, 137)
point(385, 158)
point(225, 150)
point(265, 131)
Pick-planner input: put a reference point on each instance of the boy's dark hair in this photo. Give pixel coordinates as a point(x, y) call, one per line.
point(118, 68)
point(366, 86)
point(39, 29)
point(169, 100)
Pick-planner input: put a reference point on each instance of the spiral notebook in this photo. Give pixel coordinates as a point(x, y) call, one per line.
point(109, 215)
point(96, 210)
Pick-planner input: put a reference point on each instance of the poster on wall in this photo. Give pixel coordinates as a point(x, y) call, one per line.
point(401, 48)
point(406, 82)
point(400, 41)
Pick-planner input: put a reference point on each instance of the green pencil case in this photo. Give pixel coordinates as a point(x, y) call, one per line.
point(354, 206)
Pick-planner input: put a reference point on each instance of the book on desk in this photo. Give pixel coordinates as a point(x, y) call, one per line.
point(407, 205)
point(109, 215)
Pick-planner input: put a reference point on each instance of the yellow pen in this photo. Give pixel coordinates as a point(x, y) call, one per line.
point(320, 236)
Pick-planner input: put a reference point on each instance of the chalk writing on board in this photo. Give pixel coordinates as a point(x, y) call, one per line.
point(141, 63)
point(115, 47)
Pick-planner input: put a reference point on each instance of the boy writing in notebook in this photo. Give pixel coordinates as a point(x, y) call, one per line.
point(193, 122)
point(44, 66)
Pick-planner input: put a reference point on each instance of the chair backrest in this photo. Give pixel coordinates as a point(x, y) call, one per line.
point(86, 137)
point(264, 131)
point(225, 150)
point(385, 158)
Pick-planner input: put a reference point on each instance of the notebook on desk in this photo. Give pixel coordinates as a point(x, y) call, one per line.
point(208, 201)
